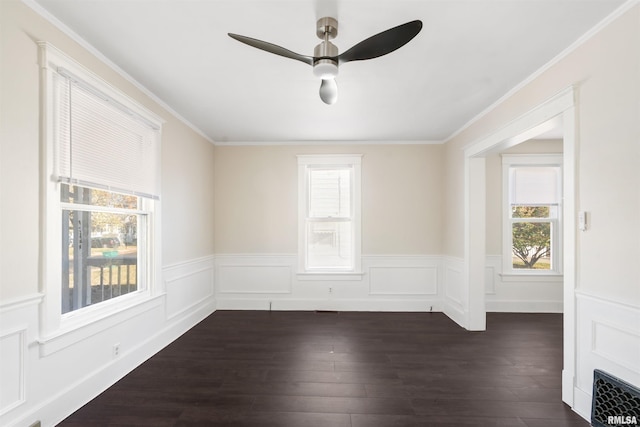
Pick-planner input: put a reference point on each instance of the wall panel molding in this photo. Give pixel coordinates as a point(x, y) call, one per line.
point(269, 281)
point(521, 293)
point(18, 333)
point(188, 285)
point(13, 352)
point(608, 339)
point(452, 287)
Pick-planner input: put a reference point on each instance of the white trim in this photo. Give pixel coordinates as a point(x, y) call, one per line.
point(328, 142)
point(352, 304)
point(526, 126)
point(539, 306)
point(305, 162)
point(587, 295)
point(566, 52)
point(329, 159)
point(527, 277)
point(53, 323)
point(92, 325)
point(326, 275)
point(21, 302)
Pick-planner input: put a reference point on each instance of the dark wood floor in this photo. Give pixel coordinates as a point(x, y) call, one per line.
point(306, 369)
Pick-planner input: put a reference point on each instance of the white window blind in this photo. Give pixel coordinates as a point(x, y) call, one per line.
point(330, 193)
point(103, 144)
point(531, 185)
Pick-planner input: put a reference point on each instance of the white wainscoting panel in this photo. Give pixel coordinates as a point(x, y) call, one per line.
point(188, 285)
point(18, 329)
point(403, 275)
point(403, 281)
point(12, 368)
point(521, 294)
point(493, 268)
point(255, 279)
point(608, 338)
point(453, 300)
point(388, 282)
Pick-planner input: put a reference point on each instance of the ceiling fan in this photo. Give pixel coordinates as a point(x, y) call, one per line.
point(325, 59)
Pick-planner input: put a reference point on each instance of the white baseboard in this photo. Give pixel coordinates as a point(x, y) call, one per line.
point(582, 403)
point(524, 306)
point(381, 305)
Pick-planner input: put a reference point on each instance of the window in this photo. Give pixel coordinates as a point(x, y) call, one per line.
point(329, 214)
point(102, 187)
point(532, 196)
point(100, 234)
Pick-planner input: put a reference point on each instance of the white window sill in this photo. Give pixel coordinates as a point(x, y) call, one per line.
point(330, 275)
point(83, 325)
point(532, 277)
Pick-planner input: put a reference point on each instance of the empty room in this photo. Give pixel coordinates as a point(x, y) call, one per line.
point(319, 213)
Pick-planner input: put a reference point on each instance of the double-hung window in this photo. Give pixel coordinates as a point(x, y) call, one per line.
point(532, 218)
point(102, 153)
point(329, 214)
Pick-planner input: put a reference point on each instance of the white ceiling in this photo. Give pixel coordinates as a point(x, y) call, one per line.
point(468, 55)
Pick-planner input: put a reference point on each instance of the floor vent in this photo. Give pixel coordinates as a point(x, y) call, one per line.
point(615, 402)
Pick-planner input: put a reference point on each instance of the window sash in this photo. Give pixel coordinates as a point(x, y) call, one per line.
point(98, 283)
point(553, 246)
point(331, 248)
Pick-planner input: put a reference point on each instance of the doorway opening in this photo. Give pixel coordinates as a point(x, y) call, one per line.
point(557, 113)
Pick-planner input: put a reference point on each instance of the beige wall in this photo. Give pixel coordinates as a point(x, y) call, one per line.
point(187, 161)
point(256, 198)
point(606, 70)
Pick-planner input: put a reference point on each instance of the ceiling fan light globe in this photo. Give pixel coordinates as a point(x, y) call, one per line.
point(329, 91)
point(325, 69)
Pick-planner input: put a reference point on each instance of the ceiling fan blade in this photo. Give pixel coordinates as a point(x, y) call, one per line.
point(382, 43)
point(329, 91)
point(272, 48)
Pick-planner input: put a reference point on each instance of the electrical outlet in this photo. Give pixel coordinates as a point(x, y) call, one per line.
point(116, 350)
point(330, 290)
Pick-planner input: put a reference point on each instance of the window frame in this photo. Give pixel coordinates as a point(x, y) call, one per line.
point(510, 161)
point(309, 162)
point(59, 330)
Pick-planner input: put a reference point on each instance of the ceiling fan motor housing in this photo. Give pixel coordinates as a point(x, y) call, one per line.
point(326, 68)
